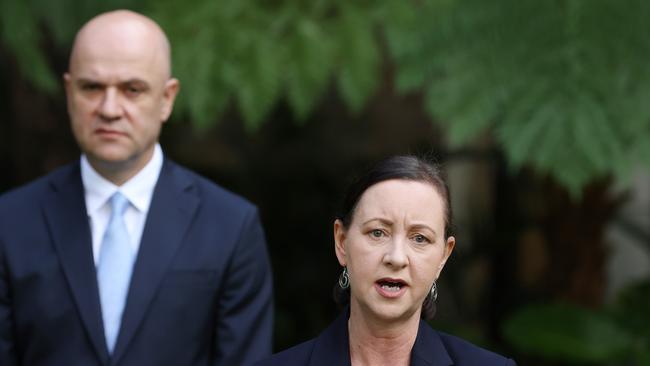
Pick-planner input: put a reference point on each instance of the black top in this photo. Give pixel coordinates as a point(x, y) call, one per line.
point(332, 348)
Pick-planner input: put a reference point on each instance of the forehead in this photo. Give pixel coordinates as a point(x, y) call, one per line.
point(110, 52)
point(402, 199)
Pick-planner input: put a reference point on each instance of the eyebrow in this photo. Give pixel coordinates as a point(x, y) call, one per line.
point(389, 223)
point(423, 226)
point(382, 220)
point(139, 81)
point(82, 81)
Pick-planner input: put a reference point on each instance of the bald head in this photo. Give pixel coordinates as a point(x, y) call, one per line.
point(123, 34)
point(119, 91)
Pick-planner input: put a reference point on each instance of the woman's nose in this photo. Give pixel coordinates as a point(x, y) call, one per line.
point(396, 255)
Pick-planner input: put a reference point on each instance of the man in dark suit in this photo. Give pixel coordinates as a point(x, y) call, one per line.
point(125, 258)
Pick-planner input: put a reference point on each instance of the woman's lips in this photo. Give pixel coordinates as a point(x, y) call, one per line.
point(390, 287)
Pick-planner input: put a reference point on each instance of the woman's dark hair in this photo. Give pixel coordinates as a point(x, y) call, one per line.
point(402, 167)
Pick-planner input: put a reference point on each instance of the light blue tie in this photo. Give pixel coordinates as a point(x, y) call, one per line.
point(114, 270)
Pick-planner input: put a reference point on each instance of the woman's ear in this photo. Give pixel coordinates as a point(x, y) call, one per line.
point(450, 244)
point(339, 242)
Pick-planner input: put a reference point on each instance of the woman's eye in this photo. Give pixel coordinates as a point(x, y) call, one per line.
point(421, 239)
point(377, 233)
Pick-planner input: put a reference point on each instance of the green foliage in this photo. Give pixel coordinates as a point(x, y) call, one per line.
point(631, 312)
point(308, 66)
point(570, 333)
point(20, 33)
point(358, 76)
point(565, 332)
point(256, 53)
point(562, 85)
point(559, 85)
point(22, 27)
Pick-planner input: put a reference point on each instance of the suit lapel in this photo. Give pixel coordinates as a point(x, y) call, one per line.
point(65, 212)
point(332, 347)
point(428, 348)
point(173, 206)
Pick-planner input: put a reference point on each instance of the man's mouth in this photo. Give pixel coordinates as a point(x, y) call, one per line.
point(107, 133)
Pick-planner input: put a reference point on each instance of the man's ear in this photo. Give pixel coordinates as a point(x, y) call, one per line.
point(169, 96)
point(339, 242)
point(67, 79)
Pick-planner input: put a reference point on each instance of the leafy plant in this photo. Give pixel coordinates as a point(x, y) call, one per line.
point(558, 85)
point(562, 85)
point(569, 333)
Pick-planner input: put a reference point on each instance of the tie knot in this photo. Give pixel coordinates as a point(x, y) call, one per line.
point(119, 203)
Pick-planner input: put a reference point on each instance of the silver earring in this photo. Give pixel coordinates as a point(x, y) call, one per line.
point(344, 279)
point(433, 293)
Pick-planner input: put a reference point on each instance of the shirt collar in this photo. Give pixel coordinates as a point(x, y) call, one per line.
point(138, 190)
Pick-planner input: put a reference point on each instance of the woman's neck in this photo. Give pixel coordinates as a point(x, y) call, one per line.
point(381, 343)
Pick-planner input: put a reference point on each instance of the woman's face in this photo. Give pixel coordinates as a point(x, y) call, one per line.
point(394, 248)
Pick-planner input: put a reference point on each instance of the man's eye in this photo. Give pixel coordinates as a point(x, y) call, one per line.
point(91, 87)
point(133, 90)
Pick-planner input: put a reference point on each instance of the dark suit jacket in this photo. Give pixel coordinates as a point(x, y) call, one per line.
point(431, 348)
point(200, 292)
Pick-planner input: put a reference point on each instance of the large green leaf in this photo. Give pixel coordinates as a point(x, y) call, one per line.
point(308, 66)
point(632, 310)
point(259, 82)
point(567, 332)
point(359, 58)
point(19, 31)
point(562, 86)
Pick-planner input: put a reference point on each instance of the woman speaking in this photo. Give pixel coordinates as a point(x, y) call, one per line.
point(392, 240)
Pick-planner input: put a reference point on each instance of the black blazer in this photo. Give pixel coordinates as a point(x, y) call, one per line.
point(200, 293)
point(332, 348)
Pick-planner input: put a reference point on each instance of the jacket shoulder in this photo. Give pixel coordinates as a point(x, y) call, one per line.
point(463, 352)
point(32, 192)
point(211, 192)
point(295, 356)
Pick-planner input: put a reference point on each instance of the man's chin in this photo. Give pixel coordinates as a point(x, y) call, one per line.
point(110, 159)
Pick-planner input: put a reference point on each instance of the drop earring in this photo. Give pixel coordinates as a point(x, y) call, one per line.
point(344, 279)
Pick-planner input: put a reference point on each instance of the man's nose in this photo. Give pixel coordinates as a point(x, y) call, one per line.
point(395, 255)
point(110, 108)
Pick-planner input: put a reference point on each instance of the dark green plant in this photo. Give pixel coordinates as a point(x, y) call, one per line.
point(562, 85)
point(615, 335)
point(559, 85)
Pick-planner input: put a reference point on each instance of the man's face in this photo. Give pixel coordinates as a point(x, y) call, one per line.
point(119, 95)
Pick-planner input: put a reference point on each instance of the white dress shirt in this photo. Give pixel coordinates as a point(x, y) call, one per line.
point(138, 190)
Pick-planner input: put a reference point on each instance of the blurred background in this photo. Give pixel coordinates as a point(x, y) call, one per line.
point(539, 110)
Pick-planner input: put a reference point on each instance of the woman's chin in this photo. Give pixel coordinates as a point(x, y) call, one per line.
point(394, 312)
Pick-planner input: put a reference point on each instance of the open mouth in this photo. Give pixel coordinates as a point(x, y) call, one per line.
point(391, 285)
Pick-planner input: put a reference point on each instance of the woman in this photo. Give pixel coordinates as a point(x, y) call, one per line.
point(392, 240)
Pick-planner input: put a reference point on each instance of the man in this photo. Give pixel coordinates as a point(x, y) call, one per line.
point(125, 258)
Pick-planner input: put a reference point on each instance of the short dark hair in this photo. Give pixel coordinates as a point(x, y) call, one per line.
point(402, 167)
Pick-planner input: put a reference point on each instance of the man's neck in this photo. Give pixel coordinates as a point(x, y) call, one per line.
point(119, 173)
